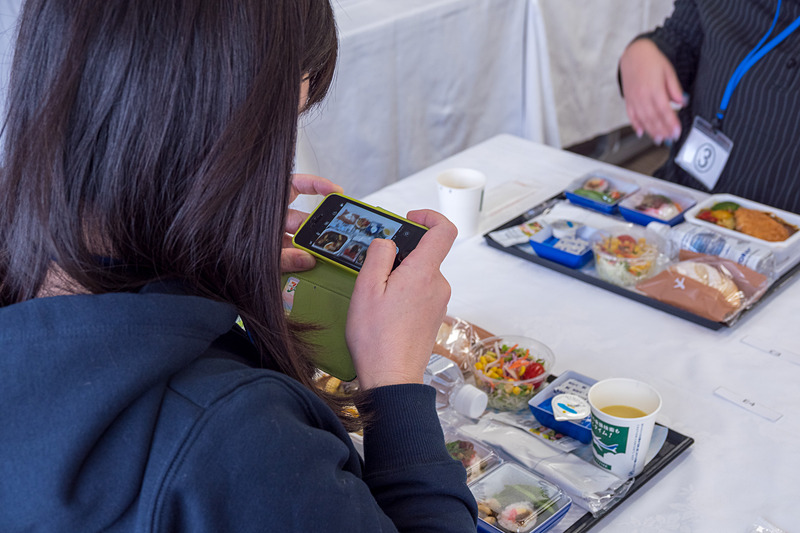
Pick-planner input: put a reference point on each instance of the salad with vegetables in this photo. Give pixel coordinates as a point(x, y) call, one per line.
point(510, 375)
point(624, 260)
point(721, 214)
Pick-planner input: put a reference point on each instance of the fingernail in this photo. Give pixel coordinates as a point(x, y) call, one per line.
point(639, 133)
point(676, 133)
point(305, 261)
point(657, 141)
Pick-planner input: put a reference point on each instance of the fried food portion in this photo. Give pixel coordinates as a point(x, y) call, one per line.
point(760, 225)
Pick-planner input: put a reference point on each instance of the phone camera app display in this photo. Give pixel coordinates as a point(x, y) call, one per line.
point(348, 235)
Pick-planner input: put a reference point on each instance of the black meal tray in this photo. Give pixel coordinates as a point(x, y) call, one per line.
point(674, 445)
point(582, 275)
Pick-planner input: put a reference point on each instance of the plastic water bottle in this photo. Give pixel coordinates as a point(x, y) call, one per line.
point(698, 239)
point(444, 375)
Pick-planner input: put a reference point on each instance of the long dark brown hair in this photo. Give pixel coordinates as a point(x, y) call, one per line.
point(161, 133)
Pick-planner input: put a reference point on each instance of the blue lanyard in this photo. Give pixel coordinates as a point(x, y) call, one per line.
point(755, 54)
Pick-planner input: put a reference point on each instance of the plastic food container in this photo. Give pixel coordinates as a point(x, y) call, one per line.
point(574, 252)
point(476, 457)
point(542, 408)
point(514, 500)
point(600, 191)
point(655, 203)
point(626, 256)
point(510, 369)
point(781, 249)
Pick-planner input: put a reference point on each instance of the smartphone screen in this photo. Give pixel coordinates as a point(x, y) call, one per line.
point(340, 229)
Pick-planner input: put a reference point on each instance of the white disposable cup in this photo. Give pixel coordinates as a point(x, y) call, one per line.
point(620, 445)
point(461, 198)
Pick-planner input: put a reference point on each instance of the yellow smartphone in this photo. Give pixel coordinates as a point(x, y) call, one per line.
point(341, 228)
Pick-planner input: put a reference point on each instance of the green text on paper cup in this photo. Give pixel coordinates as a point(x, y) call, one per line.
point(608, 439)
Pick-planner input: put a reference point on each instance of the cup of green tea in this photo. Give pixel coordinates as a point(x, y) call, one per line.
point(623, 416)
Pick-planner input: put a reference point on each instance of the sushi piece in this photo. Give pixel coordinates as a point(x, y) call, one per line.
point(518, 517)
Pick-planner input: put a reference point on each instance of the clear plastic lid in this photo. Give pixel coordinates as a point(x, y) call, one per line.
point(661, 203)
point(628, 255)
point(514, 500)
point(601, 189)
point(476, 457)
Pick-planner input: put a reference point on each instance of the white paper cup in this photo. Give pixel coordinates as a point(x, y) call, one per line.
point(620, 443)
point(461, 198)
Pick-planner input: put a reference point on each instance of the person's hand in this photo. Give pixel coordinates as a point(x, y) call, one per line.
point(394, 316)
point(294, 259)
point(650, 86)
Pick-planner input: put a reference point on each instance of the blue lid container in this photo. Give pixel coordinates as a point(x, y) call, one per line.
point(512, 499)
point(586, 191)
point(548, 248)
point(656, 204)
point(567, 383)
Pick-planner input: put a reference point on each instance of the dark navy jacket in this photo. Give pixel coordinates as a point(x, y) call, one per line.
point(140, 412)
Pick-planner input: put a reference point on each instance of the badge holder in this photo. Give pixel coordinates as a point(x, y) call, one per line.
point(321, 296)
point(704, 153)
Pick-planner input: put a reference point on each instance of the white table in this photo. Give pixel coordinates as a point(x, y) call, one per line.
point(585, 39)
point(741, 466)
point(419, 80)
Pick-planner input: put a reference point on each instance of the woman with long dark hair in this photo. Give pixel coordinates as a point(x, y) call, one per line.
point(143, 208)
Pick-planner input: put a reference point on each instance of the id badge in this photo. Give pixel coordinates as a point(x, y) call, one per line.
point(704, 153)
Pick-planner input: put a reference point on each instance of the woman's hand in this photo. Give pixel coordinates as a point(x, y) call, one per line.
point(651, 88)
point(294, 259)
point(394, 316)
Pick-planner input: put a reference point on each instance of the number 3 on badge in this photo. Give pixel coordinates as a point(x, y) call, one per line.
point(704, 153)
point(704, 158)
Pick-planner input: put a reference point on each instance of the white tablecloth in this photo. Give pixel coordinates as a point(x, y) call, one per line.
point(741, 466)
point(419, 80)
point(585, 39)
